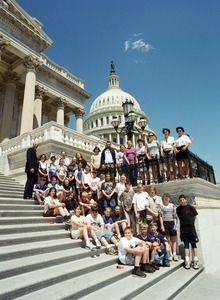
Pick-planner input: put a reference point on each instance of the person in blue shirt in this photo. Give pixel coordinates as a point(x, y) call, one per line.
point(40, 190)
point(160, 244)
point(109, 223)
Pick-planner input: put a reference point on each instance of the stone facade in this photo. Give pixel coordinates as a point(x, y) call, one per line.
point(33, 89)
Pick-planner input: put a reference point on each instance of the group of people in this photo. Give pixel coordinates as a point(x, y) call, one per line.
point(141, 226)
point(157, 161)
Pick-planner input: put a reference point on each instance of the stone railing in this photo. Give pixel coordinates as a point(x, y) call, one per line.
point(52, 131)
point(62, 71)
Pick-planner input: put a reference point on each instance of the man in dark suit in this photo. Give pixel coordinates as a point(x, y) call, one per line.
point(31, 169)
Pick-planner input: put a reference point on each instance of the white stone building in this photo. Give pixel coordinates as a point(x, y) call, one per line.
point(37, 96)
point(33, 89)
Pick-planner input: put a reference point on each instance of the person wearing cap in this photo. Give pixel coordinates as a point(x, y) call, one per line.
point(168, 154)
point(182, 144)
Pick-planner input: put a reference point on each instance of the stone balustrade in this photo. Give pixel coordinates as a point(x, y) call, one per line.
point(62, 71)
point(51, 131)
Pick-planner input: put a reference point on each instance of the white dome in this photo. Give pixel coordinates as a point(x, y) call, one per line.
point(107, 107)
point(114, 96)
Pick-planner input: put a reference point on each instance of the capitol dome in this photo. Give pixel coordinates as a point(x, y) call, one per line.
point(113, 96)
point(108, 106)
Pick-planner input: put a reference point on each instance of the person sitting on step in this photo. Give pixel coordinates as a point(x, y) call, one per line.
point(133, 252)
point(80, 229)
point(53, 207)
point(103, 236)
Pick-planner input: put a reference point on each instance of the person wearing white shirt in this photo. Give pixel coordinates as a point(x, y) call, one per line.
point(168, 154)
point(182, 144)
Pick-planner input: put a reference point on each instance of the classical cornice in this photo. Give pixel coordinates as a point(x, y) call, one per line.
point(3, 44)
point(48, 72)
point(17, 20)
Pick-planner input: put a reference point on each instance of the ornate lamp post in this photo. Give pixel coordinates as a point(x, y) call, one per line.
point(129, 128)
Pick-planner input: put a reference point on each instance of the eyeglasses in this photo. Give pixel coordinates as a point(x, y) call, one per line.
point(150, 135)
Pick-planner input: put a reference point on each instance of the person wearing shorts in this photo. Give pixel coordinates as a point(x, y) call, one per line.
point(103, 236)
point(168, 221)
point(133, 252)
point(187, 214)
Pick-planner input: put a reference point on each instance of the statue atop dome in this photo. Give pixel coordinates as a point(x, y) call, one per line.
point(112, 68)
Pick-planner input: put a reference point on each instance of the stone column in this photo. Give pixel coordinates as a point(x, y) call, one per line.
point(11, 79)
point(60, 104)
point(79, 119)
point(31, 64)
point(134, 140)
point(118, 138)
point(39, 93)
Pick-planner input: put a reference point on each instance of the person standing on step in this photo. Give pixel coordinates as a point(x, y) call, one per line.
point(168, 221)
point(187, 214)
point(182, 144)
point(31, 169)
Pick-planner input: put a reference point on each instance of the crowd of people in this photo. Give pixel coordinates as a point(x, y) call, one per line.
point(140, 227)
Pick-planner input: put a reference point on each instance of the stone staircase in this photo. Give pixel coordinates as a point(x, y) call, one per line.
point(38, 260)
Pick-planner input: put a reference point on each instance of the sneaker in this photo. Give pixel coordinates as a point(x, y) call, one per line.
point(90, 246)
point(171, 258)
point(175, 258)
point(110, 251)
point(187, 264)
point(195, 265)
point(67, 220)
point(166, 264)
point(154, 265)
point(98, 244)
point(147, 268)
point(137, 272)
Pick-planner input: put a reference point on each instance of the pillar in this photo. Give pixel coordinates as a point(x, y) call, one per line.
point(118, 138)
point(39, 93)
point(31, 64)
point(10, 78)
point(60, 104)
point(79, 119)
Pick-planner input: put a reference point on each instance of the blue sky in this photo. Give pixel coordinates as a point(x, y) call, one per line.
point(167, 54)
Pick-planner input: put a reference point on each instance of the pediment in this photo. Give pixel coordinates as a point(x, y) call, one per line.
point(14, 15)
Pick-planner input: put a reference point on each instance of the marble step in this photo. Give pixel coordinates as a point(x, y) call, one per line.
point(21, 238)
point(26, 220)
point(129, 287)
point(20, 213)
point(165, 289)
point(21, 207)
point(14, 201)
point(24, 284)
point(45, 260)
point(25, 228)
point(32, 248)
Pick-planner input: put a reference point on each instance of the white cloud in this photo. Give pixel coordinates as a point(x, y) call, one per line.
point(137, 44)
